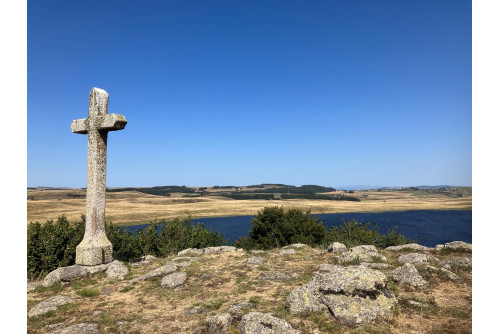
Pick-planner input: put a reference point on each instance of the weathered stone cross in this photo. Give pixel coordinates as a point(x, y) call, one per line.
point(95, 247)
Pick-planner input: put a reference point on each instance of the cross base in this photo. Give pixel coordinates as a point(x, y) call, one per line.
point(94, 252)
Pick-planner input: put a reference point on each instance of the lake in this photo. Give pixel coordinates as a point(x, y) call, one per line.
point(429, 227)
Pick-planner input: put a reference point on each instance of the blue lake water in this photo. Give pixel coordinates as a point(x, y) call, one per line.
point(429, 227)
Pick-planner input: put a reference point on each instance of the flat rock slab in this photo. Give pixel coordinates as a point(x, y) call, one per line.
point(210, 250)
point(255, 260)
point(174, 280)
point(414, 258)
point(288, 251)
point(83, 328)
point(66, 274)
point(408, 274)
point(458, 245)
point(49, 304)
point(413, 247)
point(277, 276)
point(295, 246)
point(374, 265)
point(168, 268)
point(264, 323)
point(459, 261)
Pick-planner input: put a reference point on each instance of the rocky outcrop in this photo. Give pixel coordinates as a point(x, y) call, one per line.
point(364, 253)
point(354, 295)
point(413, 258)
point(174, 280)
point(264, 323)
point(458, 245)
point(413, 247)
point(295, 246)
point(168, 268)
point(83, 328)
point(459, 261)
point(219, 323)
point(408, 274)
point(50, 304)
point(116, 270)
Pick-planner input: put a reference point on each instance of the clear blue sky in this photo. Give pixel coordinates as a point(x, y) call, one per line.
point(243, 92)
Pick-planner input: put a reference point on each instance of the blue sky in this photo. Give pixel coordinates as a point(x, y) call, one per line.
point(243, 92)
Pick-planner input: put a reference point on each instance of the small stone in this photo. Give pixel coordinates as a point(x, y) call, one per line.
point(255, 260)
point(256, 322)
point(49, 304)
point(219, 324)
point(295, 246)
point(287, 252)
point(116, 270)
point(96, 313)
point(107, 290)
point(306, 298)
point(33, 285)
point(413, 247)
point(174, 280)
point(83, 328)
point(196, 310)
point(276, 276)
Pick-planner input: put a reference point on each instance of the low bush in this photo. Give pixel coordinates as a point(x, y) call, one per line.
point(53, 244)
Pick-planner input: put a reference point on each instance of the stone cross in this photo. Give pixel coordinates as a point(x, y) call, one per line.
point(95, 247)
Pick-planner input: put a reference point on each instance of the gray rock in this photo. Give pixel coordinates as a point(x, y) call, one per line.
point(256, 251)
point(221, 250)
point(357, 310)
point(365, 249)
point(255, 260)
point(439, 247)
point(352, 280)
point(374, 265)
point(408, 274)
point(237, 310)
point(459, 261)
point(414, 258)
point(184, 264)
point(49, 304)
point(143, 260)
point(66, 274)
point(264, 323)
point(287, 251)
point(295, 246)
point(364, 253)
point(452, 276)
point(458, 245)
point(190, 251)
point(83, 328)
point(220, 323)
point(326, 267)
point(168, 268)
point(414, 247)
point(107, 290)
point(337, 247)
point(96, 313)
point(174, 280)
point(116, 270)
point(33, 285)
point(196, 310)
point(306, 298)
point(276, 276)
point(57, 325)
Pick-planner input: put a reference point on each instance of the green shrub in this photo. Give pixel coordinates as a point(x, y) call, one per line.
point(53, 245)
point(276, 227)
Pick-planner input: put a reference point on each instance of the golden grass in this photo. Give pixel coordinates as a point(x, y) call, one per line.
point(132, 207)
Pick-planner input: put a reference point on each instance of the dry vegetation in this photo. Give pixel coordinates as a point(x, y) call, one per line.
point(219, 281)
point(133, 207)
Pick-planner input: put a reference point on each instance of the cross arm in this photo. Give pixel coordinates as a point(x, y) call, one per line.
point(107, 122)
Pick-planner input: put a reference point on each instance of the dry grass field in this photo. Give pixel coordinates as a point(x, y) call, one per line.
point(134, 207)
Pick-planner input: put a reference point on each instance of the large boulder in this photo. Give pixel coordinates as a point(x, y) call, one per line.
point(66, 274)
point(363, 253)
point(408, 274)
point(264, 323)
point(116, 270)
point(337, 247)
point(354, 295)
point(83, 328)
point(49, 304)
point(166, 269)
